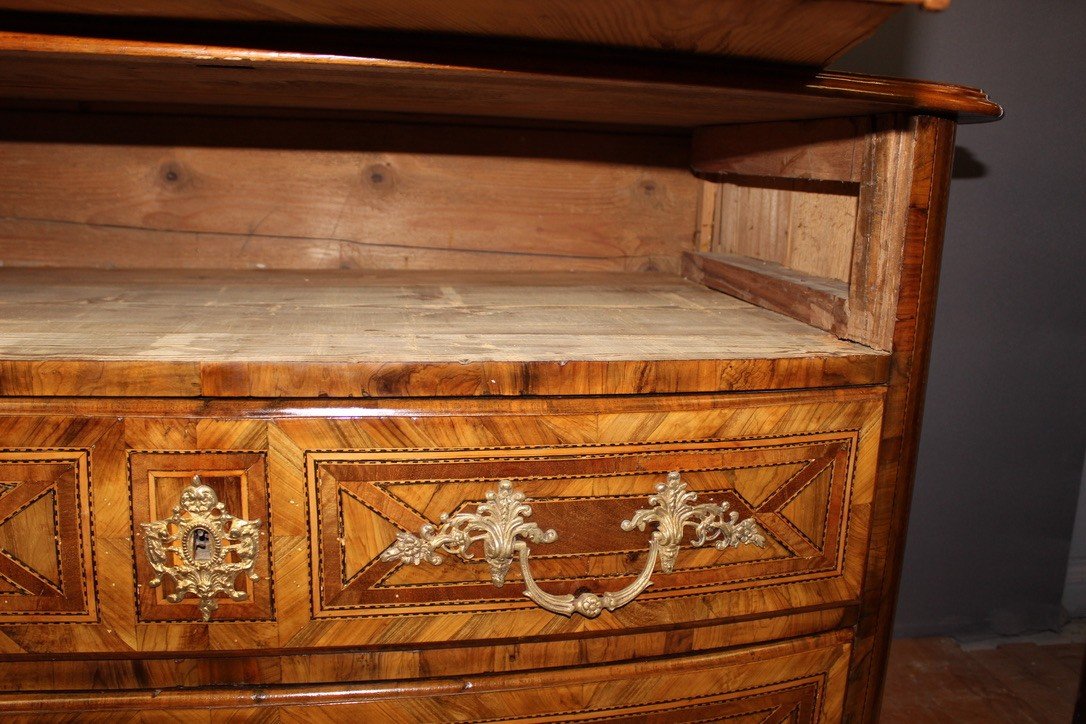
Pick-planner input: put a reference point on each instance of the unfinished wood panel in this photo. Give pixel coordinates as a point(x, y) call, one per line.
point(880, 232)
point(805, 227)
point(789, 31)
point(503, 83)
point(451, 204)
point(708, 207)
point(814, 300)
point(819, 224)
point(825, 150)
point(408, 333)
point(813, 236)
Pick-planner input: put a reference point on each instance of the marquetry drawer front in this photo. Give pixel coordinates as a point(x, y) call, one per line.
point(45, 542)
point(75, 494)
point(494, 525)
point(432, 521)
point(47, 573)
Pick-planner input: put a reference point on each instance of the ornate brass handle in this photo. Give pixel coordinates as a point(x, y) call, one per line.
point(501, 526)
point(202, 548)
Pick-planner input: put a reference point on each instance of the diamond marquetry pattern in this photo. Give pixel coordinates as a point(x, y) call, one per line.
point(45, 545)
point(796, 491)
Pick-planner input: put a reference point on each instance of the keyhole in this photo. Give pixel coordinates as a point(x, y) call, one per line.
point(200, 544)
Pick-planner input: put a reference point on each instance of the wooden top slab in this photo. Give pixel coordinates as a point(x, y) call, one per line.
point(534, 83)
point(786, 31)
point(348, 334)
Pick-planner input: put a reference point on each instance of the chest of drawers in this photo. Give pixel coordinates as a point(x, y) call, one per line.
point(344, 376)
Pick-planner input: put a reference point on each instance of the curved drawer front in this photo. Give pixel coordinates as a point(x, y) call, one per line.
point(798, 472)
point(801, 681)
point(158, 526)
point(796, 488)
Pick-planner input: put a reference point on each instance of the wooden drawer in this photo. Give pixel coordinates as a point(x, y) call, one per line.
point(335, 485)
point(799, 681)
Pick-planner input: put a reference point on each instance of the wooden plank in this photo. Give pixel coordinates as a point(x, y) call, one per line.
point(803, 226)
point(350, 334)
point(122, 192)
point(572, 86)
point(807, 227)
point(824, 150)
point(788, 31)
point(708, 204)
point(754, 222)
point(816, 301)
point(880, 232)
point(820, 233)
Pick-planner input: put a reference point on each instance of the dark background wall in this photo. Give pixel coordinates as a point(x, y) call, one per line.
point(1001, 453)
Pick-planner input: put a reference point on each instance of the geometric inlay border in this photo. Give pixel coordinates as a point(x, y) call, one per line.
point(351, 593)
point(245, 472)
point(31, 481)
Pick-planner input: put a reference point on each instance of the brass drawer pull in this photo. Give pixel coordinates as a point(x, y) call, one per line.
point(501, 526)
point(202, 548)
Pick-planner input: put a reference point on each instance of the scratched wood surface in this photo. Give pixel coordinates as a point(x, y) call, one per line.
point(203, 330)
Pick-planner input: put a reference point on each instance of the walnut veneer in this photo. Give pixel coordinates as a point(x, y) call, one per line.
point(363, 302)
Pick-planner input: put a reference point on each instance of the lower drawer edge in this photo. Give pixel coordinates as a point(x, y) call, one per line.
point(800, 680)
point(44, 673)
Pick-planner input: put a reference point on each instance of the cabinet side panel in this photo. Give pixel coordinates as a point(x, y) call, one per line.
point(931, 161)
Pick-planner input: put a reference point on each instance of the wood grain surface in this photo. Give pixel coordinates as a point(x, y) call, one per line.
point(444, 263)
point(816, 300)
point(823, 250)
point(273, 334)
point(335, 482)
point(508, 83)
point(800, 680)
point(925, 217)
point(825, 150)
point(788, 31)
point(187, 191)
point(380, 662)
point(803, 226)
